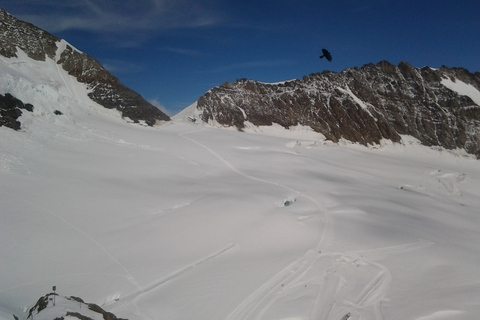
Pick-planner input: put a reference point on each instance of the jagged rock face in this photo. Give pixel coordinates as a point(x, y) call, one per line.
point(362, 105)
point(35, 42)
point(106, 89)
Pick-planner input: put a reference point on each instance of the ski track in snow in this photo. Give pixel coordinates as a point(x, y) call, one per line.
point(102, 248)
point(378, 252)
point(302, 271)
point(136, 296)
point(179, 272)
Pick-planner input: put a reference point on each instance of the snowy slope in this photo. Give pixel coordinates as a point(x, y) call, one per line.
point(105, 89)
point(186, 221)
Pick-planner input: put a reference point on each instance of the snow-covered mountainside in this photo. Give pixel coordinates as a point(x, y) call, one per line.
point(438, 107)
point(20, 39)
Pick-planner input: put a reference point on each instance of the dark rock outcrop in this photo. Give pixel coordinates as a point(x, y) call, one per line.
point(11, 110)
point(362, 105)
point(41, 304)
point(105, 88)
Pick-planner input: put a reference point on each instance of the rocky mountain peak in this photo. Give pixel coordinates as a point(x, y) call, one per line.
point(105, 88)
point(35, 42)
point(363, 105)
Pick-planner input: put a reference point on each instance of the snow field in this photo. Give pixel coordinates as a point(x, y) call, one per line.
point(185, 221)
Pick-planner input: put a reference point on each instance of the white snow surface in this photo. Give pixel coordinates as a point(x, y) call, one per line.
point(187, 221)
point(463, 89)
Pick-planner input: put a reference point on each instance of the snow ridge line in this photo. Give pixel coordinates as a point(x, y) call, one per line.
point(129, 275)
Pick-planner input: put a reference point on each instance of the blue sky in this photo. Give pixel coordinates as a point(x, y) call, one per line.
point(173, 51)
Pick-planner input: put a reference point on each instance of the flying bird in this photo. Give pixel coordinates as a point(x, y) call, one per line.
point(326, 54)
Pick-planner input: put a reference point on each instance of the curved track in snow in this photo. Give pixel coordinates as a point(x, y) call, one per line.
point(325, 278)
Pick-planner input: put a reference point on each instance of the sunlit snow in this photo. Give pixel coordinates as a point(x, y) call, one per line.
point(463, 88)
point(187, 221)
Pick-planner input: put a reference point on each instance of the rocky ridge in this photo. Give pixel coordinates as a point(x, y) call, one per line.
point(55, 307)
point(105, 88)
point(362, 105)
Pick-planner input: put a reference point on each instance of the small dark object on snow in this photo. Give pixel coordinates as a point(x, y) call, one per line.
point(326, 54)
point(347, 316)
point(58, 112)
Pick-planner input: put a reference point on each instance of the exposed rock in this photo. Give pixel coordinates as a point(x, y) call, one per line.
point(105, 88)
point(106, 315)
point(35, 42)
point(10, 111)
point(41, 304)
point(362, 105)
point(77, 315)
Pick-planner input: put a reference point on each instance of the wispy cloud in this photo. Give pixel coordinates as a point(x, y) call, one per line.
point(155, 102)
point(114, 17)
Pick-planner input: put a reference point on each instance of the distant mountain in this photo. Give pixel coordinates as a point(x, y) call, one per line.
point(364, 105)
point(104, 88)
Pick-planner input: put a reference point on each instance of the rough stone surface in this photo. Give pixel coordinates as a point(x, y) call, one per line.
point(11, 110)
point(363, 105)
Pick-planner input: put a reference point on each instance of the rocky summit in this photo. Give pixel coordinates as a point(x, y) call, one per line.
point(363, 105)
point(105, 89)
point(55, 307)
